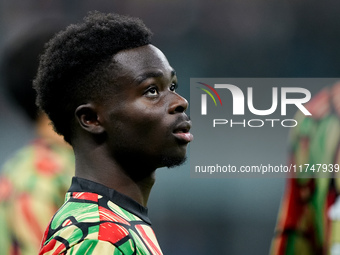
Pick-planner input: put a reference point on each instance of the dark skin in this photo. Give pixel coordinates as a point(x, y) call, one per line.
point(122, 141)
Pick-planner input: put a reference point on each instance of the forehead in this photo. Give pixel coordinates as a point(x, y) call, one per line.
point(134, 62)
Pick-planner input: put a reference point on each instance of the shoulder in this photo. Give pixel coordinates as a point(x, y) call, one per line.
point(40, 170)
point(325, 111)
point(40, 159)
point(87, 246)
point(88, 221)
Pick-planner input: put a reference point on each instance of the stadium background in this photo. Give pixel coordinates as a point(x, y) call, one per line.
point(225, 38)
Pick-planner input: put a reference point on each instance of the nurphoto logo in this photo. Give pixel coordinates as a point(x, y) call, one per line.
point(204, 97)
point(244, 127)
point(238, 108)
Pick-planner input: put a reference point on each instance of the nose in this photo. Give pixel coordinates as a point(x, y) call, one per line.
point(178, 104)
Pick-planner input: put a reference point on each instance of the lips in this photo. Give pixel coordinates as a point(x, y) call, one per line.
point(182, 133)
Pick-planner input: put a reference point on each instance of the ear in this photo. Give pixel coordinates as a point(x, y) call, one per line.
point(88, 120)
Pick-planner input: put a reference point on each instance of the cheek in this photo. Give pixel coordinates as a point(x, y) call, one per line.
point(140, 121)
point(149, 125)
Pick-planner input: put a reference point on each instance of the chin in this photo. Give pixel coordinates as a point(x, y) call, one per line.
point(173, 161)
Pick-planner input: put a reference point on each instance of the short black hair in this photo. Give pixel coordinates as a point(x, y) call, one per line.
point(76, 63)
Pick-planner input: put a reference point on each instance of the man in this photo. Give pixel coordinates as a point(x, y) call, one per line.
point(111, 94)
point(308, 221)
point(33, 182)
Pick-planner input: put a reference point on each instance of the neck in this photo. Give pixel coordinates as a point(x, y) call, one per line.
point(45, 130)
point(98, 168)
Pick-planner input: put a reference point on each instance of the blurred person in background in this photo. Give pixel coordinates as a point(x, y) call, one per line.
point(33, 182)
point(309, 217)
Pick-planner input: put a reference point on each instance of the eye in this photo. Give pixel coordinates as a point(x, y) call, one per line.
point(152, 91)
point(173, 86)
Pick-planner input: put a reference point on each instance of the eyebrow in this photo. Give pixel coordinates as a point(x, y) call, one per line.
point(156, 74)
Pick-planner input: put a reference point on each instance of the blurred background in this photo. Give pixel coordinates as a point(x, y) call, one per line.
point(217, 38)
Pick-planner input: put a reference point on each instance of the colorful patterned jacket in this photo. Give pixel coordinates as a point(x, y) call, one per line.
point(33, 184)
point(309, 217)
point(97, 220)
